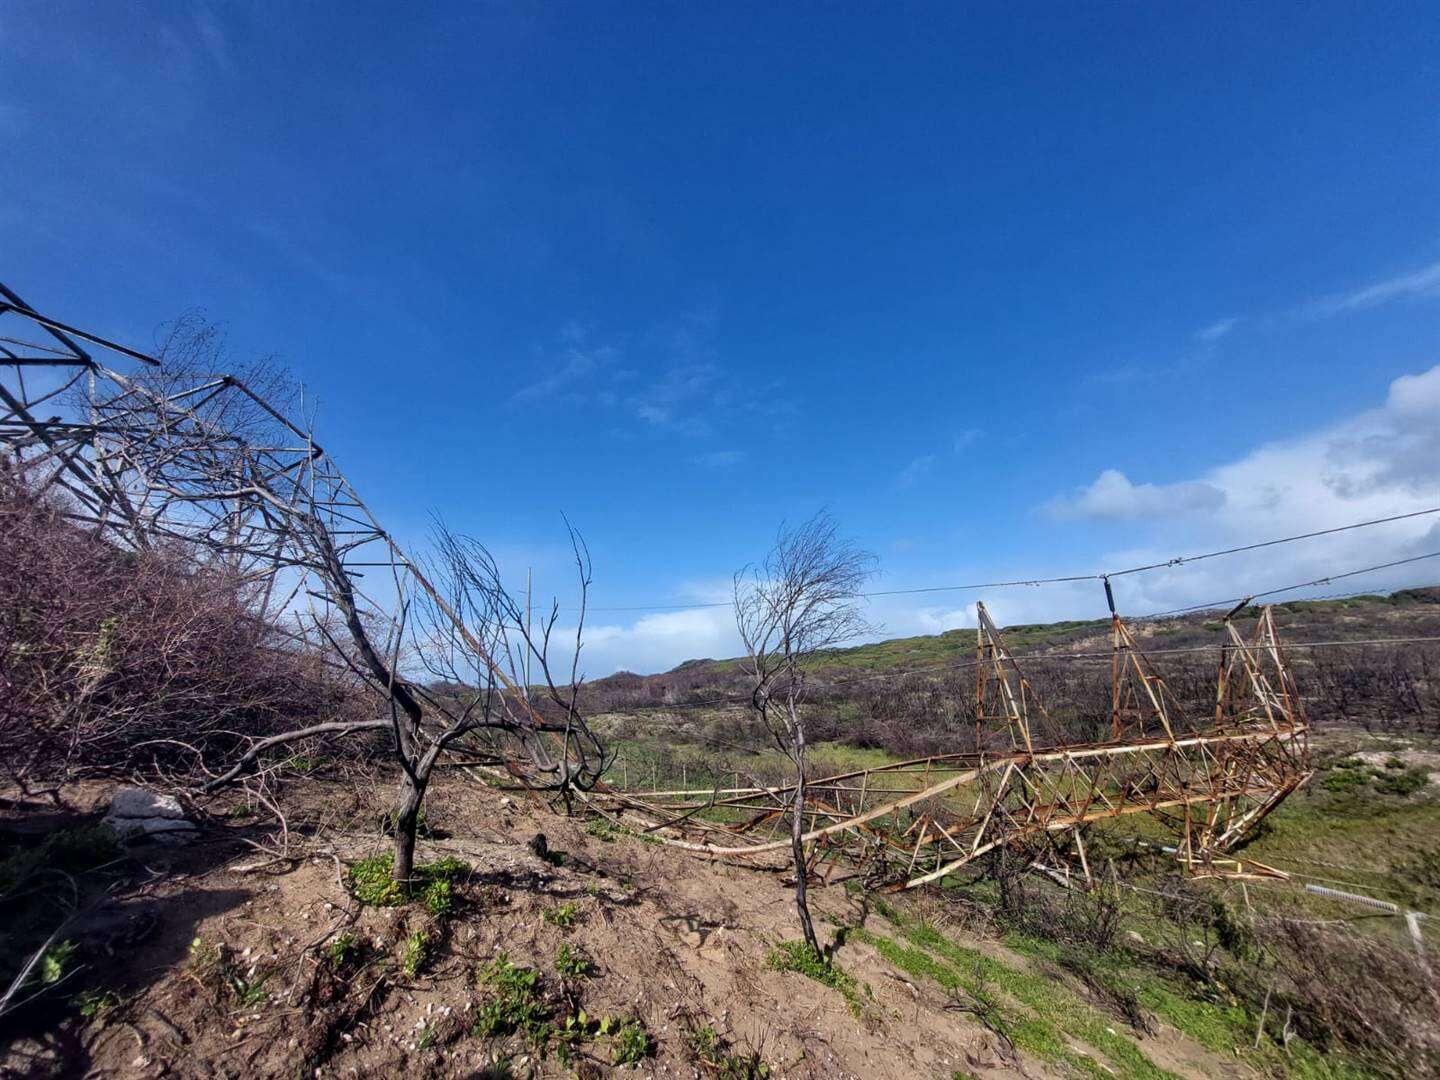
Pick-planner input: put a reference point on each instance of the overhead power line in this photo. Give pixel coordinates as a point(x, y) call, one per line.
point(1181, 560)
point(1291, 588)
point(960, 665)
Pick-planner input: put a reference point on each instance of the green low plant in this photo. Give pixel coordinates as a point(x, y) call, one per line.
point(713, 1051)
point(53, 963)
point(563, 916)
point(417, 946)
point(514, 1002)
point(633, 1043)
point(342, 949)
point(438, 899)
point(97, 1004)
point(372, 884)
point(576, 1029)
point(602, 830)
point(572, 963)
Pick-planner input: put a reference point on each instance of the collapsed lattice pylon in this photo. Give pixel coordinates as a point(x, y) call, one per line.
point(143, 460)
point(146, 454)
point(926, 818)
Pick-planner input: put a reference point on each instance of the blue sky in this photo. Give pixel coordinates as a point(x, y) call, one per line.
point(1010, 289)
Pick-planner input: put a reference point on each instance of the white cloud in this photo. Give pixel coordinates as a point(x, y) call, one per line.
point(1384, 460)
point(1218, 329)
point(577, 366)
point(1379, 463)
point(1112, 497)
point(966, 438)
point(914, 472)
point(1419, 284)
point(720, 459)
point(659, 641)
point(674, 400)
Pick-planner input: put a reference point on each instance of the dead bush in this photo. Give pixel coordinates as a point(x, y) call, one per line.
point(114, 660)
point(1376, 1000)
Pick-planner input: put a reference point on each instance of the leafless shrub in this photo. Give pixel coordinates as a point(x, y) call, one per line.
point(116, 660)
point(1375, 999)
point(800, 602)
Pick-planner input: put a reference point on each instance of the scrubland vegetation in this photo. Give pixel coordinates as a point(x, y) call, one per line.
point(285, 937)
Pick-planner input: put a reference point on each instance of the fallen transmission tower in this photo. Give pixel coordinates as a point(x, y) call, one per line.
point(917, 821)
point(149, 455)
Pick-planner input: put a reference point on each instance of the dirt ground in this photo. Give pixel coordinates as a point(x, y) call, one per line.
point(220, 956)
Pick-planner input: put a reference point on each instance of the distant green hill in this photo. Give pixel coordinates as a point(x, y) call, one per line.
point(1340, 618)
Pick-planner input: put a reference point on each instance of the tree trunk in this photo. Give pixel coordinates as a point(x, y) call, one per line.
point(407, 818)
point(797, 847)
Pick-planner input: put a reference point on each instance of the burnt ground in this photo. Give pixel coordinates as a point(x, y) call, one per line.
point(223, 958)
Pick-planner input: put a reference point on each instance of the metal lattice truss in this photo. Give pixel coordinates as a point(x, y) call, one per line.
point(148, 456)
point(1200, 788)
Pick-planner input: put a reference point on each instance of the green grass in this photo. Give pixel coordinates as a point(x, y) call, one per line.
point(1217, 1021)
point(1050, 1014)
point(1034, 1035)
point(1373, 831)
point(797, 956)
point(1227, 1029)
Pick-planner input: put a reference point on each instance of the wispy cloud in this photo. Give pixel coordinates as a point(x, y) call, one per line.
point(671, 381)
point(672, 401)
point(286, 243)
point(719, 459)
point(916, 471)
point(1419, 284)
point(564, 375)
point(1218, 329)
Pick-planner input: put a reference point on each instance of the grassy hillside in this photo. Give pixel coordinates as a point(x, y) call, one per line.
point(1417, 610)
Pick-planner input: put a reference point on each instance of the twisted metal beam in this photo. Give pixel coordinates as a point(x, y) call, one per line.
point(1205, 786)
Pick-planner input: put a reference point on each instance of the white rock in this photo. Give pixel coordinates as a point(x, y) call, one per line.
point(138, 803)
point(137, 814)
